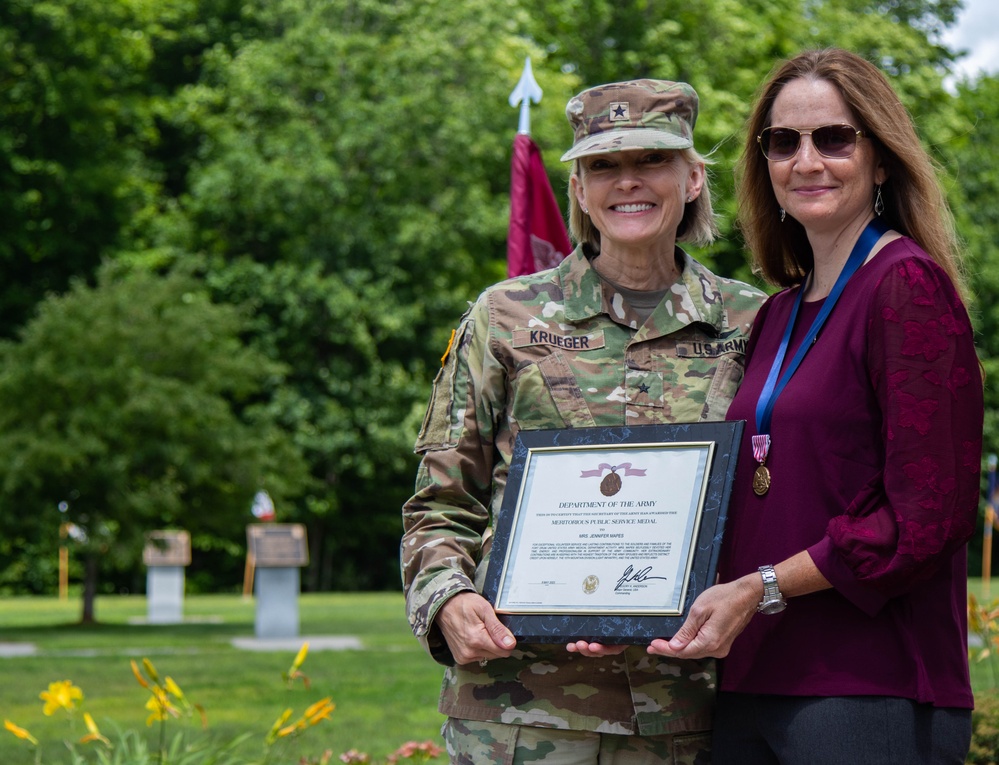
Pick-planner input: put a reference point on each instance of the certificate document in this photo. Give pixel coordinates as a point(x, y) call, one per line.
point(602, 530)
point(601, 522)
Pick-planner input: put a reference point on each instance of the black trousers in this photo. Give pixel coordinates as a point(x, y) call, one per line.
point(755, 729)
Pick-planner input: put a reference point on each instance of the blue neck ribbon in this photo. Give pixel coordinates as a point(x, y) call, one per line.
point(773, 388)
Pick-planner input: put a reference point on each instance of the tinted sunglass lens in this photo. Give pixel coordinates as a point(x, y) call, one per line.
point(835, 140)
point(780, 143)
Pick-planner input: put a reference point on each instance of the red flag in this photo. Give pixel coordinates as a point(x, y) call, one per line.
point(537, 238)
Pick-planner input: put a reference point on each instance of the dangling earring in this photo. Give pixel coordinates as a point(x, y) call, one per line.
point(879, 203)
point(783, 214)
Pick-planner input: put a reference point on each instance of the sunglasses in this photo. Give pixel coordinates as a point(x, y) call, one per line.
point(832, 141)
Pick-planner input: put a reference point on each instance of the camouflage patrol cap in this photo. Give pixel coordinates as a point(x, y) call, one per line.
point(638, 114)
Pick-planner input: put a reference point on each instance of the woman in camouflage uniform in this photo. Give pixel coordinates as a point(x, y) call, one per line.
point(628, 329)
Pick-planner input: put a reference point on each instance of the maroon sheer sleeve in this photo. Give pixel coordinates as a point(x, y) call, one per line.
point(926, 377)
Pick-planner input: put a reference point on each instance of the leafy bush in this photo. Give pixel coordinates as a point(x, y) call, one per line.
point(983, 624)
point(985, 730)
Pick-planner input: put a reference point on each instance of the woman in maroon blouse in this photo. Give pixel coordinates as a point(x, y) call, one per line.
point(858, 480)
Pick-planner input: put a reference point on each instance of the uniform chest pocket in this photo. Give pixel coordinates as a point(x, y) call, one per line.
point(644, 388)
point(546, 394)
point(702, 389)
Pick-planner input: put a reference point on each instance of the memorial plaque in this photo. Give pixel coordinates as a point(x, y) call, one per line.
point(277, 545)
point(167, 548)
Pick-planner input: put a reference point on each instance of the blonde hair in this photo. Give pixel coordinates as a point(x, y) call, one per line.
point(698, 225)
point(914, 201)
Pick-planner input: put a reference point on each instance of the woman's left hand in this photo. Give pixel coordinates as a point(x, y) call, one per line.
point(717, 618)
point(594, 650)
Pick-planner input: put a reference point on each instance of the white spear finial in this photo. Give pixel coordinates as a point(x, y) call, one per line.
point(527, 90)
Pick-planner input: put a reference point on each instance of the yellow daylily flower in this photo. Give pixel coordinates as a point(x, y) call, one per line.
point(94, 734)
point(319, 711)
point(173, 688)
point(60, 695)
point(150, 670)
point(19, 732)
point(293, 672)
point(276, 727)
point(300, 724)
point(300, 656)
point(160, 706)
point(138, 675)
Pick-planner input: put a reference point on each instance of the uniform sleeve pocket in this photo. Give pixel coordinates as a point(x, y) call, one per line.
point(728, 375)
point(443, 421)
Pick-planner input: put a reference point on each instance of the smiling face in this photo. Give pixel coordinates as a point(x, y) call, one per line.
point(636, 198)
point(827, 196)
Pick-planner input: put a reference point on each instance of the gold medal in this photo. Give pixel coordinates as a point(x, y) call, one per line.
point(761, 480)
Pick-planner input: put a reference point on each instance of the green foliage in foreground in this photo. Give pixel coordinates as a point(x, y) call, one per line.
point(985, 722)
point(385, 693)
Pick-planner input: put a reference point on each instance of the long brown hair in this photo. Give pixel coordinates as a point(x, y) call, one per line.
point(914, 201)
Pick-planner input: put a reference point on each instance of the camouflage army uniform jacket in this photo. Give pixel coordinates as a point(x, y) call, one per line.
point(551, 350)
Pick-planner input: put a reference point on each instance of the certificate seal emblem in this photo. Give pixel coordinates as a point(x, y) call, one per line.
point(611, 484)
point(590, 584)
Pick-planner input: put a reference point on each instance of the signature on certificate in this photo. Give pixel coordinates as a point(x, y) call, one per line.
point(641, 575)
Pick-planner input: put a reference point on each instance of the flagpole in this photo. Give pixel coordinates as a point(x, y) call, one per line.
point(527, 90)
point(536, 238)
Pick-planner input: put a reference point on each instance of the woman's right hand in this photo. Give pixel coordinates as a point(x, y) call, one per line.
point(717, 617)
point(472, 630)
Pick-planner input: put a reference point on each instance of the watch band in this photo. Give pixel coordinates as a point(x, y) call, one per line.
point(773, 600)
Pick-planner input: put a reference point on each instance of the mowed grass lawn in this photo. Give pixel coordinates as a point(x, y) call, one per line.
point(386, 692)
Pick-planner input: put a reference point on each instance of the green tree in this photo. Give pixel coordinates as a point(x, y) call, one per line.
point(340, 168)
point(353, 190)
point(725, 48)
point(71, 141)
point(975, 186)
point(136, 403)
point(976, 189)
point(352, 186)
point(86, 146)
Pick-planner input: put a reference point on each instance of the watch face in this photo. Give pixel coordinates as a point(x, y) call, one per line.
point(772, 607)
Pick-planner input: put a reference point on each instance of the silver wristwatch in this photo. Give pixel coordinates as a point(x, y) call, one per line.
point(773, 602)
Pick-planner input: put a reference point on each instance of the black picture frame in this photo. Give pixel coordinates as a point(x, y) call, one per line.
point(617, 627)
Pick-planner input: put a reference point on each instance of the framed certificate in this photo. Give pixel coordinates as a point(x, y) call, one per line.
point(609, 534)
